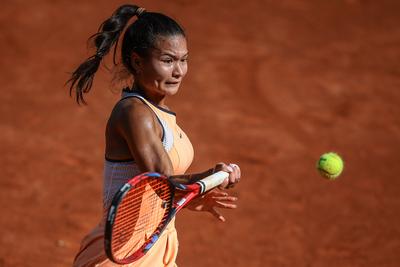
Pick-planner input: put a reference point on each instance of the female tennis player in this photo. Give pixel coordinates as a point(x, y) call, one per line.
point(141, 133)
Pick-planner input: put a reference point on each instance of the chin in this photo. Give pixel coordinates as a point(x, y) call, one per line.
point(170, 91)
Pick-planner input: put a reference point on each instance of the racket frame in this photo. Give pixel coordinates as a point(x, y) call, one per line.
point(193, 190)
point(113, 209)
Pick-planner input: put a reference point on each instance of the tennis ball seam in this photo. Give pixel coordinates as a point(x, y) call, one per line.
point(330, 165)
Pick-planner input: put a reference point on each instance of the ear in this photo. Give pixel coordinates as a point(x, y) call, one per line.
point(137, 62)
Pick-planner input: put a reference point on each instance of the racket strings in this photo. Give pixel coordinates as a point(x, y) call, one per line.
point(143, 225)
point(131, 200)
point(123, 212)
point(144, 207)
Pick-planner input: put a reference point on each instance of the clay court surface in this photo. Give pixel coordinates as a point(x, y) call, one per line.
point(271, 86)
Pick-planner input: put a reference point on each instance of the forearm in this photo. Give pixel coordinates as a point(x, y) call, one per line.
point(191, 178)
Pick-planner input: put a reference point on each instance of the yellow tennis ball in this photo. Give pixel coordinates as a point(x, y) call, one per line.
point(330, 165)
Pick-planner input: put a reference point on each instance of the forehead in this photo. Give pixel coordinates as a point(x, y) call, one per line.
point(175, 45)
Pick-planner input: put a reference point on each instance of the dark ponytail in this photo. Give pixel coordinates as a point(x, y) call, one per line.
point(107, 35)
point(139, 37)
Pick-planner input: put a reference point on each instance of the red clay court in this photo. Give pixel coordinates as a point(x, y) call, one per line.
point(275, 83)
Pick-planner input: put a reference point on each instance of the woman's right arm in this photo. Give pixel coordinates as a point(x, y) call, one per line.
point(142, 134)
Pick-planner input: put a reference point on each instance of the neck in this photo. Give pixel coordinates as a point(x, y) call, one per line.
point(152, 97)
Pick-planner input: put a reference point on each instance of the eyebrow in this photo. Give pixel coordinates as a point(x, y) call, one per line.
point(172, 55)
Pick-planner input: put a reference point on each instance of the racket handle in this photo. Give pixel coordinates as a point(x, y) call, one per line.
point(212, 181)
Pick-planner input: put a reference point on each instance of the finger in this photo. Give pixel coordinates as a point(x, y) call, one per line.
point(240, 172)
point(237, 173)
point(226, 198)
point(225, 205)
point(229, 169)
point(232, 177)
point(225, 168)
point(220, 166)
point(236, 170)
point(214, 193)
point(234, 166)
point(218, 215)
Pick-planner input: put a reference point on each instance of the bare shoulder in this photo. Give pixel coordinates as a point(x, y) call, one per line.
point(132, 111)
point(131, 114)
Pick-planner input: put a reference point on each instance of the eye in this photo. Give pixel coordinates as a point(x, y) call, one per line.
point(167, 60)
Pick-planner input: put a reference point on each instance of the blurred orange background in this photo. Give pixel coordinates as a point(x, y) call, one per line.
point(271, 85)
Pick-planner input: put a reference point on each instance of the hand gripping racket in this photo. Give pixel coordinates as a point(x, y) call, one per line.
point(141, 210)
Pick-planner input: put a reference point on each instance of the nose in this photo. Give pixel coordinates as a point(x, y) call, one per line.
point(178, 70)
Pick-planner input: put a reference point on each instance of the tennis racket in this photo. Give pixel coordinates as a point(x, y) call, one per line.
point(141, 210)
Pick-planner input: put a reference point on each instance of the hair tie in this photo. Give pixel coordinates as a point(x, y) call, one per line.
point(140, 11)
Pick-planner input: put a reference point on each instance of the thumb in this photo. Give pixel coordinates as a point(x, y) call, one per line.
point(218, 215)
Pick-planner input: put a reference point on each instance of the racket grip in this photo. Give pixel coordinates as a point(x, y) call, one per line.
point(212, 181)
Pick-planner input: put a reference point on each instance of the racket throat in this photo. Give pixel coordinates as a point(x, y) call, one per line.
point(181, 203)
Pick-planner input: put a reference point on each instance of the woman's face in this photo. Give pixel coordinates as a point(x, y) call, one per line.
point(161, 73)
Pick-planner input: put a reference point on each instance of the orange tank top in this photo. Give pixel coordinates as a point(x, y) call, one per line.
point(180, 151)
point(174, 139)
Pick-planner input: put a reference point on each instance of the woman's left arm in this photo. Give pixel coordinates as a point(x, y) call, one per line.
point(216, 198)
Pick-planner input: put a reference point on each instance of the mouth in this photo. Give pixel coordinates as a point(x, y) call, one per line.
point(172, 83)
